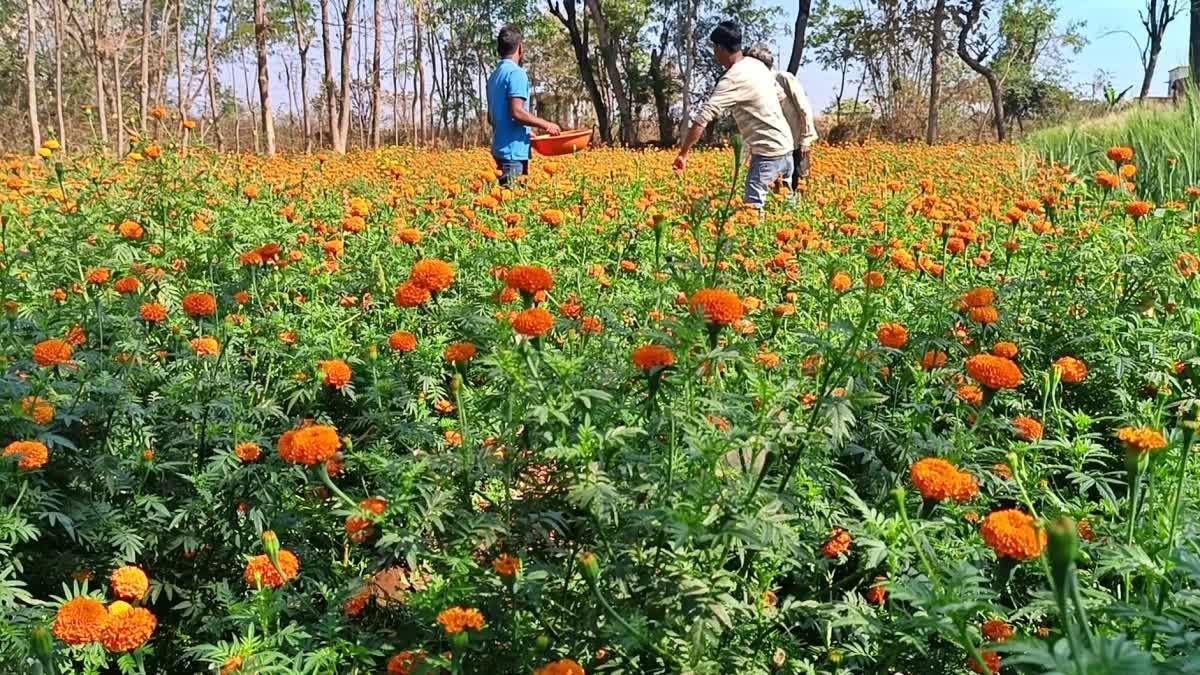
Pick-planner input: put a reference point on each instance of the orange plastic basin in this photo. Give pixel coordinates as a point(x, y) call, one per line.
point(562, 144)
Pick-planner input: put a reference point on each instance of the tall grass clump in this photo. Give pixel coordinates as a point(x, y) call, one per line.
point(1166, 141)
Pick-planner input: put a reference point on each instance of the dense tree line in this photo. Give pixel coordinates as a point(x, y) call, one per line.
point(109, 71)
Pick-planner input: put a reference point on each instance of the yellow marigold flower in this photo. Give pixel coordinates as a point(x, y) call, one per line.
point(457, 619)
point(1141, 439)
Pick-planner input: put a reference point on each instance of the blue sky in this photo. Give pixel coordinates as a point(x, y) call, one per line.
point(1116, 54)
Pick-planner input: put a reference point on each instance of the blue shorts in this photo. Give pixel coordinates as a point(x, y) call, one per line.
point(511, 168)
point(762, 173)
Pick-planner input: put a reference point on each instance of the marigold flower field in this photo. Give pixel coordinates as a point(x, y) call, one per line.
point(376, 414)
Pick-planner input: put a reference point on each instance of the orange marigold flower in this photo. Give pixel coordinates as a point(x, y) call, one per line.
point(206, 346)
point(993, 372)
point(457, 619)
point(76, 336)
point(411, 295)
point(933, 359)
point(80, 620)
point(402, 341)
point(1141, 439)
point(1005, 350)
point(199, 304)
point(553, 217)
point(309, 445)
point(98, 275)
point(980, 296)
point(1187, 264)
point(247, 451)
point(52, 352)
point(127, 285)
point(152, 312)
point(839, 543)
point(1070, 369)
point(1012, 534)
point(1027, 428)
point(938, 479)
point(358, 527)
point(130, 230)
point(1138, 209)
point(129, 583)
point(720, 307)
point(986, 314)
point(840, 281)
point(996, 630)
point(970, 394)
point(337, 372)
point(260, 567)
point(892, 335)
point(533, 322)
point(992, 659)
point(877, 593)
point(529, 278)
point(38, 409)
point(506, 565)
point(1120, 153)
point(405, 663)
point(460, 352)
point(432, 274)
point(873, 279)
point(31, 455)
point(561, 667)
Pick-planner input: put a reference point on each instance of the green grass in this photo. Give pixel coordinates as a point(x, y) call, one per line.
point(1165, 139)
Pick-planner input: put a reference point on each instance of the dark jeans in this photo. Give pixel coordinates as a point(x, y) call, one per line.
point(511, 168)
point(801, 165)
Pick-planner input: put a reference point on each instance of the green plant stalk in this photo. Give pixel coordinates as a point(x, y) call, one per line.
point(625, 625)
point(320, 469)
point(1177, 500)
point(969, 645)
point(918, 543)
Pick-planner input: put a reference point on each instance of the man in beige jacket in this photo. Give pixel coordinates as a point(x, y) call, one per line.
point(796, 109)
point(749, 91)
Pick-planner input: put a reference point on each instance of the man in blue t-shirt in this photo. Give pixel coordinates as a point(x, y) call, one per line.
point(508, 108)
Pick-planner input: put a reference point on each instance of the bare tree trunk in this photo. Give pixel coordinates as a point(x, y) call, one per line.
point(179, 59)
point(608, 54)
point(118, 106)
point(658, 87)
point(396, 76)
point(98, 63)
point(1158, 15)
point(975, 62)
point(344, 97)
point(58, 79)
point(330, 96)
point(803, 13)
point(213, 111)
point(266, 114)
point(160, 74)
point(577, 31)
point(935, 71)
point(376, 68)
point(303, 41)
point(688, 43)
point(1194, 43)
point(419, 66)
point(35, 126)
point(144, 80)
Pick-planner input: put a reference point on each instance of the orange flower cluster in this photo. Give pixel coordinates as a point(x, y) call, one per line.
point(336, 371)
point(1005, 350)
point(650, 356)
point(129, 583)
point(205, 346)
point(1141, 439)
point(38, 409)
point(80, 620)
point(198, 305)
point(409, 294)
point(993, 372)
point(313, 444)
point(719, 306)
point(432, 275)
point(260, 568)
point(839, 543)
point(359, 527)
point(457, 619)
point(893, 335)
point(152, 312)
point(402, 341)
point(1012, 534)
point(460, 352)
point(1070, 369)
point(938, 479)
point(128, 627)
point(31, 455)
point(561, 667)
point(247, 451)
point(506, 565)
point(52, 352)
point(990, 658)
point(529, 279)
point(1027, 428)
point(405, 663)
point(533, 322)
point(996, 630)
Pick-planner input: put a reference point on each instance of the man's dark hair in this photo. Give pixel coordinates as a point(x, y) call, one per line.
point(727, 35)
point(508, 40)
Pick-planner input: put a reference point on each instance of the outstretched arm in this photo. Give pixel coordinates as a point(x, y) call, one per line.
point(516, 106)
point(693, 136)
